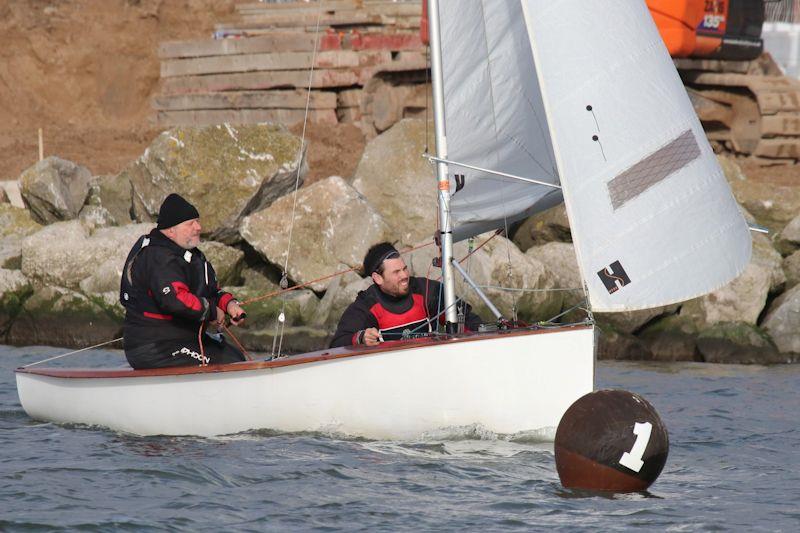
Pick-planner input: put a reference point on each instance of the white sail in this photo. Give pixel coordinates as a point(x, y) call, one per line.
point(494, 116)
point(652, 216)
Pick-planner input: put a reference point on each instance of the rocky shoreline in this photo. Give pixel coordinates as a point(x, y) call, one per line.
point(64, 238)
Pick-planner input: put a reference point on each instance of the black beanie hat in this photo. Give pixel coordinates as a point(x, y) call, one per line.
point(377, 255)
point(174, 210)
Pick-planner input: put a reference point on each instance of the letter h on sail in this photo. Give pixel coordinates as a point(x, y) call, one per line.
point(614, 277)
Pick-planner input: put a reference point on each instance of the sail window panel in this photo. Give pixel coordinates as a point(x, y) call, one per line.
point(654, 168)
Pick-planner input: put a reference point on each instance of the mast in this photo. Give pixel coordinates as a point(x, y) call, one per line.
point(445, 226)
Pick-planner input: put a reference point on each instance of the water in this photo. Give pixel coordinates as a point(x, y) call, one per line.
point(734, 464)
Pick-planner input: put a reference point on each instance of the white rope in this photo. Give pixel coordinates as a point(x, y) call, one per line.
point(297, 180)
point(72, 353)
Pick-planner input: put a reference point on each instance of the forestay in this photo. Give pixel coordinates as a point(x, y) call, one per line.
point(652, 216)
point(494, 116)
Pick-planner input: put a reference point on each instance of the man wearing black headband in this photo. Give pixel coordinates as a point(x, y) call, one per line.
point(396, 305)
point(169, 291)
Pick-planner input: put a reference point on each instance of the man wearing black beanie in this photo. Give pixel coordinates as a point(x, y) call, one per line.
point(170, 295)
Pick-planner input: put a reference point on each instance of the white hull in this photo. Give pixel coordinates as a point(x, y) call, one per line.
point(506, 383)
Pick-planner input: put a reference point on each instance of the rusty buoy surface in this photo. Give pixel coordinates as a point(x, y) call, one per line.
point(610, 440)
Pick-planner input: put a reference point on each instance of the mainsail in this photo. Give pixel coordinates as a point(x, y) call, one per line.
point(495, 118)
point(584, 93)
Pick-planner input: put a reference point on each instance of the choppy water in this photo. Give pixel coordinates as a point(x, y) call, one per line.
point(734, 464)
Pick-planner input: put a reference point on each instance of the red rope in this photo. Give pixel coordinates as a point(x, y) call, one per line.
point(238, 344)
point(306, 284)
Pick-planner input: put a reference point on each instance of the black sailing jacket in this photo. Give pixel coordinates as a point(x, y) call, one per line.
point(415, 312)
point(167, 292)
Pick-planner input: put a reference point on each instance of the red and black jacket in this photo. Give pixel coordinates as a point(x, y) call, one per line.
point(413, 313)
point(167, 292)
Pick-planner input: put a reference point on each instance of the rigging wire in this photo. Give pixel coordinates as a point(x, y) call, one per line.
point(72, 353)
point(281, 319)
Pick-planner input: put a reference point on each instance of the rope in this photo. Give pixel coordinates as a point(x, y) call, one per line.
point(72, 352)
point(236, 341)
point(323, 278)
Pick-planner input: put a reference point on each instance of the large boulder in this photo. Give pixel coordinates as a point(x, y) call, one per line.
point(672, 338)
point(56, 316)
point(791, 267)
point(741, 300)
point(65, 254)
point(341, 292)
point(109, 202)
point(334, 226)
point(782, 321)
point(262, 330)
point(399, 183)
point(14, 291)
point(509, 278)
point(55, 189)
point(547, 226)
point(615, 345)
point(226, 171)
point(772, 205)
point(737, 342)
point(788, 240)
point(15, 224)
point(226, 260)
point(562, 265)
point(9, 191)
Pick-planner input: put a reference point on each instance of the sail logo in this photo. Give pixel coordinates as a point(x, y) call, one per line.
point(614, 277)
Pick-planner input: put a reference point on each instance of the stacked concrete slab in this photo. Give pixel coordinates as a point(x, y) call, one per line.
point(259, 67)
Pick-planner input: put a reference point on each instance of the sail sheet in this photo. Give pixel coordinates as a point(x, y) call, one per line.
point(494, 116)
point(652, 216)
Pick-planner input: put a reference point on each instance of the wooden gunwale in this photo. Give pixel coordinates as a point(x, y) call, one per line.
point(310, 357)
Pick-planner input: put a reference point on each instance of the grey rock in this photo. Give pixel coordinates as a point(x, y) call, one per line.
point(65, 253)
point(523, 282)
point(615, 345)
point(672, 338)
point(11, 193)
point(773, 206)
point(109, 202)
point(788, 240)
point(541, 228)
point(791, 267)
point(226, 260)
point(341, 292)
point(226, 171)
point(15, 225)
point(782, 321)
point(743, 299)
point(399, 183)
point(56, 316)
point(333, 225)
point(737, 342)
point(55, 189)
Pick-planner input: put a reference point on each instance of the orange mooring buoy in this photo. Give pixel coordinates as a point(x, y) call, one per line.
point(610, 440)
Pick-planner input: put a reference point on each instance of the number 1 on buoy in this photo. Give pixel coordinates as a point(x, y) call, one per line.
point(633, 458)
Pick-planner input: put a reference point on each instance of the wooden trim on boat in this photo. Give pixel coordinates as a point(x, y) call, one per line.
point(309, 357)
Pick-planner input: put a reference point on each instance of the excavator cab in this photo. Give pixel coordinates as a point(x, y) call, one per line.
point(715, 29)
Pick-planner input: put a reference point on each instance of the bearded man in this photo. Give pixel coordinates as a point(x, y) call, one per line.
point(170, 294)
point(396, 305)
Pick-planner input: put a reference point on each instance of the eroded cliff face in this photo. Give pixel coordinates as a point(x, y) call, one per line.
point(85, 72)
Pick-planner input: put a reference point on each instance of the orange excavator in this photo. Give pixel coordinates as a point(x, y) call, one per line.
point(745, 103)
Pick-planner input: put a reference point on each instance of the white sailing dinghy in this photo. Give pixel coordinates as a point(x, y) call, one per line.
point(535, 102)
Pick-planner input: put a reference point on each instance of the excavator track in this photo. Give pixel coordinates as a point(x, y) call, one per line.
point(748, 107)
